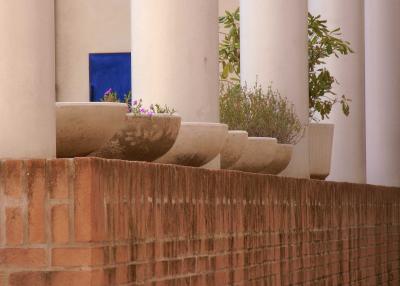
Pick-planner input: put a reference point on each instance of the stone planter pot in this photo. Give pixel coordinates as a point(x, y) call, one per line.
point(142, 138)
point(233, 148)
point(83, 127)
point(257, 155)
point(281, 160)
point(197, 144)
point(320, 149)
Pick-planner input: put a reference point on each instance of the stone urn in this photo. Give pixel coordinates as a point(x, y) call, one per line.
point(83, 127)
point(142, 138)
point(281, 160)
point(320, 149)
point(257, 155)
point(197, 144)
point(233, 148)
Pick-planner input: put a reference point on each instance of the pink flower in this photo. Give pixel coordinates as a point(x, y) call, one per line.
point(108, 91)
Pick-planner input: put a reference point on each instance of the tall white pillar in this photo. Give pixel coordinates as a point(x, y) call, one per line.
point(348, 154)
point(382, 35)
point(27, 79)
point(175, 56)
point(274, 50)
point(227, 5)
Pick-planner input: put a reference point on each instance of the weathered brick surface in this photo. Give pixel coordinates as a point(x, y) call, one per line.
point(60, 223)
point(101, 222)
point(14, 226)
point(37, 191)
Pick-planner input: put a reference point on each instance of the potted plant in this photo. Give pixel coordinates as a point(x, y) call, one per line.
point(83, 127)
point(323, 43)
point(157, 134)
point(146, 134)
point(270, 121)
point(197, 144)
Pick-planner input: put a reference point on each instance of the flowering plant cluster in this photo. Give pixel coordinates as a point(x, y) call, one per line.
point(136, 106)
point(110, 96)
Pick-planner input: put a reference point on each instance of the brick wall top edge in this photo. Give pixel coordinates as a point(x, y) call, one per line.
point(93, 160)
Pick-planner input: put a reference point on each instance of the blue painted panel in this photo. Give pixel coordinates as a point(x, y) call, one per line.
point(111, 70)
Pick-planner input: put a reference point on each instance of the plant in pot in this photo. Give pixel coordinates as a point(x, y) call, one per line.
point(83, 127)
point(146, 134)
point(265, 115)
point(323, 43)
point(270, 121)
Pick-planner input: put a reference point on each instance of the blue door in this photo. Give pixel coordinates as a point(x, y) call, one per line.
point(110, 70)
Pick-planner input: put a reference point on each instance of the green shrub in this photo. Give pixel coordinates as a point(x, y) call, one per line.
point(322, 44)
point(261, 114)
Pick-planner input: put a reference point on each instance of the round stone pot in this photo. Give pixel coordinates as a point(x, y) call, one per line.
point(281, 160)
point(142, 138)
point(257, 155)
point(197, 144)
point(233, 148)
point(83, 127)
point(320, 149)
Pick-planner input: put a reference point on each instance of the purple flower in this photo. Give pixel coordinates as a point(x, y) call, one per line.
point(134, 102)
point(142, 110)
point(108, 91)
point(150, 113)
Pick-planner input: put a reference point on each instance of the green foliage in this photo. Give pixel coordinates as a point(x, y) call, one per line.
point(322, 44)
point(158, 109)
point(229, 48)
point(260, 114)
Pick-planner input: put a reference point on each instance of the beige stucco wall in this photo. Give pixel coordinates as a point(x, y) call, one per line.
point(92, 26)
point(83, 27)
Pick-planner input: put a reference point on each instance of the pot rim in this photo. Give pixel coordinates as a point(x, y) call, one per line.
point(240, 132)
point(204, 124)
point(266, 139)
point(160, 115)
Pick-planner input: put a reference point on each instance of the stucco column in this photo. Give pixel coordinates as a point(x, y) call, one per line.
point(348, 154)
point(382, 38)
point(274, 50)
point(27, 79)
point(175, 56)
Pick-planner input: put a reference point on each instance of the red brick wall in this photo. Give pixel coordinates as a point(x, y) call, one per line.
point(99, 222)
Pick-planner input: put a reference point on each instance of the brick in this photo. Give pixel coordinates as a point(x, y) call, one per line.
point(289, 231)
point(28, 279)
point(89, 203)
point(60, 223)
point(59, 178)
point(37, 190)
point(12, 172)
point(72, 278)
point(69, 257)
point(122, 275)
point(22, 257)
point(14, 226)
point(3, 277)
point(121, 254)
